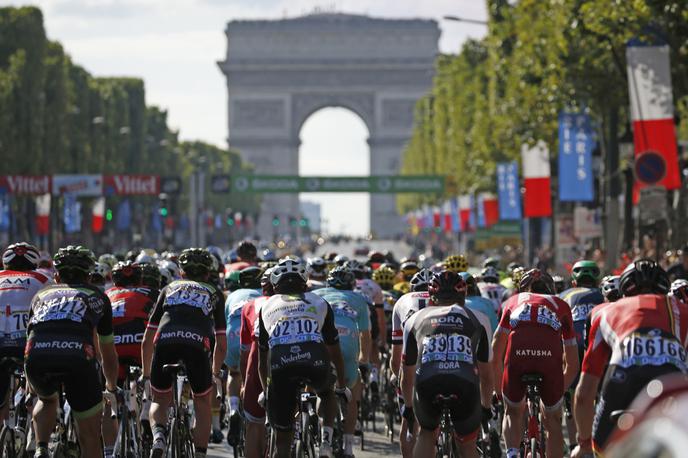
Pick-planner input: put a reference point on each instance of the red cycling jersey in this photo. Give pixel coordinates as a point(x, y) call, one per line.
point(252, 387)
point(640, 330)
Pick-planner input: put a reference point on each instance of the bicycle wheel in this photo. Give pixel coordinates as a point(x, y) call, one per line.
point(533, 447)
point(7, 443)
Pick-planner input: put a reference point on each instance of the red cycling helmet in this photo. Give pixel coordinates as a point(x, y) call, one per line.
point(536, 281)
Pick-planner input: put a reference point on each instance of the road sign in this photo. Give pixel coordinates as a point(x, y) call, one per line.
point(650, 167)
point(372, 184)
point(220, 183)
point(653, 204)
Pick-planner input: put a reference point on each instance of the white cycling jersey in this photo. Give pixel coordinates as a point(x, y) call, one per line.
point(17, 289)
point(494, 292)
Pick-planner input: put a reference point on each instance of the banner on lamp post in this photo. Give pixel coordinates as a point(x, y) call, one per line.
point(536, 178)
point(508, 191)
point(576, 143)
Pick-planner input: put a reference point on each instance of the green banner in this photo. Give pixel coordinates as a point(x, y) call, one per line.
point(372, 184)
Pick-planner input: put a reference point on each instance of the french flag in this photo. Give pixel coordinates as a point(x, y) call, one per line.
point(652, 107)
point(447, 220)
point(43, 214)
point(536, 177)
point(490, 208)
point(465, 212)
point(436, 217)
point(98, 215)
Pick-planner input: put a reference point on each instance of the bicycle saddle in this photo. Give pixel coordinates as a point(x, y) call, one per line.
point(531, 379)
point(442, 399)
point(174, 368)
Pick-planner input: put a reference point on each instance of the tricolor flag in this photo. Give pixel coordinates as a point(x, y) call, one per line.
point(436, 216)
point(466, 212)
point(652, 110)
point(490, 208)
point(43, 214)
point(536, 178)
point(98, 215)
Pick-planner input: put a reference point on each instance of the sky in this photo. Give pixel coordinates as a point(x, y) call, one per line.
point(174, 46)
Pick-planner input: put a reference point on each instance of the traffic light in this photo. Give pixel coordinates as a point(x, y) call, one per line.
point(108, 214)
point(230, 220)
point(303, 222)
point(275, 221)
point(162, 205)
point(163, 212)
point(292, 221)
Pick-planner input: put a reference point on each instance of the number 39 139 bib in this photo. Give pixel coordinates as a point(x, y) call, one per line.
point(294, 329)
point(446, 348)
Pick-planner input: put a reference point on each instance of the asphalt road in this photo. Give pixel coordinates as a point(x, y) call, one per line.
point(376, 444)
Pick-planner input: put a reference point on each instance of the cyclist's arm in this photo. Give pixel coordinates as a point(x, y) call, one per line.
point(498, 350)
point(331, 338)
point(366, 342)
point(485, 369)
point(584, 406)
point(396, 357)
point(106, 343)
point(220, 351)
point(571, 359)
point(149, 335)
point(382, 336)
point(409, 358)
point(264, 348)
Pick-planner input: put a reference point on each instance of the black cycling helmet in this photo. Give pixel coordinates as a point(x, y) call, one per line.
point(195, 262)
point(341, 278)
point(447, 286)
point(471, 284)
point(150, 276)
point(644, 276)
point(536, 281)
point(421, 280)
point(21, 256)
point(250, 277)
point(74, 262)
point(126, 273)
point(246, 250)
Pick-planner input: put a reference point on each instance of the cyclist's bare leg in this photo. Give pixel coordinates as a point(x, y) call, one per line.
point(203, 415)
point(405, 444)
point(110, 427)
point(352, 409)
point(468, 449)
point(284, 441)
point(44, 418)
point(555, 437)
point(512, 426)
point(234, 385)
point(90, 439)
point(425, 444)
point(328, 408)
point(255, 436)
point(159, 407)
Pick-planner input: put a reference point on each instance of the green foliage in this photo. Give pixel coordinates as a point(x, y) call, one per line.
point(538, 58)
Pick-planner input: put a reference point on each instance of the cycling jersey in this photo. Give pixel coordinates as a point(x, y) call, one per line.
point(494, 292)
point(633, 341)
point(406, 305)
point(371, 290)
point(233, 306)
point(316, 284)
point(60, 348)
point(253, 411)
point(238, 266)
point(351, 316)
point(17, 290)
point(536, 325)
point(186, 318)
point(484, 306)
point(446, 343)
point(582, 301)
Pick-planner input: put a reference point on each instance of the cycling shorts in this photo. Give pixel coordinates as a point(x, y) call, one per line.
point(291, 367)
point(233, 342)
point(6, 369)
point(128, 355)
point(350, 350)
point(53, 362)
point(620, 387)
point(252, 388)
point(534, 350)
point(465, 411)
point(196, 360)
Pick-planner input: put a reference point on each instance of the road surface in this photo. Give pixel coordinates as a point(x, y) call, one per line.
point(375, 445)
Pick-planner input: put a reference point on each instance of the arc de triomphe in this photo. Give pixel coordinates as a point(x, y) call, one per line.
point(280, 72)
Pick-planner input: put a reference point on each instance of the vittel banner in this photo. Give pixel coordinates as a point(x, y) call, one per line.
point(130, 185)
point(25, 184)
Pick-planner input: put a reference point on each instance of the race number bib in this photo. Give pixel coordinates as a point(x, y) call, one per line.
point(119, 309)
point(191, 295)
point(14, 323)
point(644, 349)
point(580, 312)
point(293, 330)
point(447, 348)
point(71, 308)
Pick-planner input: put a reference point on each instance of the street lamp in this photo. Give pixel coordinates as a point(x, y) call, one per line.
point(460, 19)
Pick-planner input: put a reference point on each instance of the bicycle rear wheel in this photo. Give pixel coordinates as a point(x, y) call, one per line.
point(7, 443)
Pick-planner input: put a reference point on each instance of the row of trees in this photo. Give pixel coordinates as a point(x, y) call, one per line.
point(537, 58)
point(55, 117)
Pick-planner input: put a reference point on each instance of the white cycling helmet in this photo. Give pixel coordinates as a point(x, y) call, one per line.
point(166, 276)
point(287, 268)
point(171, 267)
point(21, 253)
point(144, 258)
point(316, 267)
point(102, 269)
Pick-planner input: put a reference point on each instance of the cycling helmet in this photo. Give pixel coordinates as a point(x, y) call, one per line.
point(196, 262)
point(559, 283)
point(491, 262)
point(170, 256)
point(109, 259)
point(585, 272)
point(289, 274)
point(172, 267)
point(316, 267)
point(45, 261)
point(512, 266)
point(644, 276)
point(679, 289)
point(408, 269)
point(166, 276)
point(447, 286)
point(384, 276)
point(421, 280)
point(74, 259)
point(340, 259)
point(536, 281)
point(250, 277)
point(144, 258)
point(265, 284)
point(21, 256)
point(471, 284)
point(246, 250)
point(100, 269)
point(517, 275)
point(456, 263)
point(126, 273)
point(150, 276)
point(375, 257)
point(359, 269)
point(232, 281)
point(610, 288)
point(341, 278)
point(489, 275)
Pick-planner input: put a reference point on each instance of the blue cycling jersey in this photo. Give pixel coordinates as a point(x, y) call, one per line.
point(484, 305)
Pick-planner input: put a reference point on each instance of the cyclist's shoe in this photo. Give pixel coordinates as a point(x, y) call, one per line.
point(42, 452)
point(216, 436)
point(158, 448)
point(234, 429)
point(325, 450)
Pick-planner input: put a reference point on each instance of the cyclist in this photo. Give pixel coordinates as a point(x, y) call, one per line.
point(317, 273)
point(247, 255)
point(297, 338)
point(490, 288)
point(446, 351)
point(61, 352)
point(187, 318)
point(455, 263)
point(253, 411)
point(407, 270)
point(352, 319)
point(249, 289)
point(559, 284)
point(150, 277)
point(610, 288)
point(101, 276)
point(476, 302)
point(19, 283)
point(679, 290)
point(535, 328)
point(404, 308)
point(632, 342)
